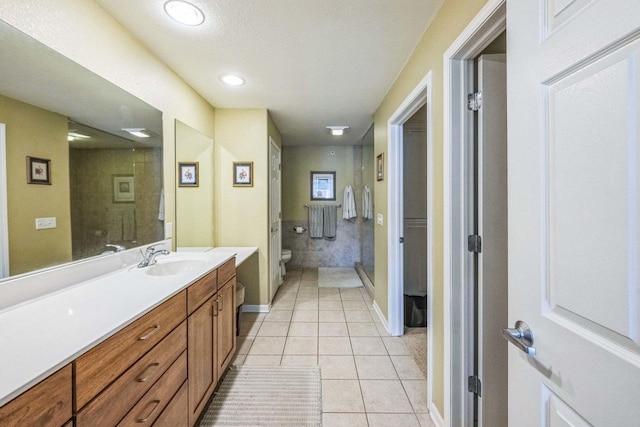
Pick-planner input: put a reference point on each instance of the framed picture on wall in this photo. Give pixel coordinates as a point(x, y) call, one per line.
point(123, 189)
point(188, 174)
point(243, 174)
point(323, 185)
point(38, 171)
point(380, 167)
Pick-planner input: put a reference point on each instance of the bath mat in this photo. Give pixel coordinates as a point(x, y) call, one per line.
point(338, 278)
point(267, 396)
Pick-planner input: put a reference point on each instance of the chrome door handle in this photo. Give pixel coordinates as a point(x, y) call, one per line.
point(520, 336)
point(273, 229)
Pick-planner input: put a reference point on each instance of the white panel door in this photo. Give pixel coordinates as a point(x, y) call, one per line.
point(4, 209)
point(492, 227)
point(275, 249)
point(574, 200)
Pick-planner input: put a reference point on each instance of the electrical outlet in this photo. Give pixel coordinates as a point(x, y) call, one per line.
point(380, 219)
point(44, 223)
point(168, 230)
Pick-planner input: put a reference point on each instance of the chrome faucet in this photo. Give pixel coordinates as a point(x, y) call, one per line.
point(118, 248)
point(150, 256)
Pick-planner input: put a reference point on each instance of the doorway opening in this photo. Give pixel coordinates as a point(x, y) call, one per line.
point(475, 215)
point(400, 127)
point(4, 210)
point(275, 220)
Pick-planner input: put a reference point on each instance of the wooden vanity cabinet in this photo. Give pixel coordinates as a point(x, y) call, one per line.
point(226, 327)
point(48, 403)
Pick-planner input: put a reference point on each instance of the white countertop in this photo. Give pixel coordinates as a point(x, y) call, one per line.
point(41, 335)
point(242, 252)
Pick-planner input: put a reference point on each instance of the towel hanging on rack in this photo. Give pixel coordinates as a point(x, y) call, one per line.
point(330, 221)
point(367, 203)
point(349, 204)
point(315, 221)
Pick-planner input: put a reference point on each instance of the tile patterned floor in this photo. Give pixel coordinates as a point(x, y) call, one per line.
point(368, 378)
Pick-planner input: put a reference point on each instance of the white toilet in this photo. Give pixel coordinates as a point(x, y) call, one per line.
point(285, 258)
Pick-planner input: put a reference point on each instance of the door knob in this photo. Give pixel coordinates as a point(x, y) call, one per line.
point(520, 336)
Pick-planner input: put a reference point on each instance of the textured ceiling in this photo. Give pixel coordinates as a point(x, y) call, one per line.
point(312, 63)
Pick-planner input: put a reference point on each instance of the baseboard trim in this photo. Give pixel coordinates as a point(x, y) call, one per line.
point(383, 319)
point(435, 415)
point(369, 286)
point(261, 308)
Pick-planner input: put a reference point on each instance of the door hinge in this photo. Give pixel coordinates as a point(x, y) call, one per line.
point(474, 101)
point(475, 386)
point(402, 240)
point(474, 243)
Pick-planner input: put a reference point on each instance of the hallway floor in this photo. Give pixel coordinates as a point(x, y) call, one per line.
point(368, 378)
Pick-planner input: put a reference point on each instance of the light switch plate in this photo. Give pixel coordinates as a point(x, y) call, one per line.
point(380, 219)
point(168, 230)
point(44, 223)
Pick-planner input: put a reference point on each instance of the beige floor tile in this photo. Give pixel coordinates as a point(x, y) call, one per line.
point(268, 346)
point(395, 346)
point(328, 291)
point(307, 305)
point(358, 316)
point(385, 396)
point(305, 316)
point(338, 329)
point(425, 420)
point(252, 317)
point(249, 329)
point(303, 329)
point(363, 329)
point(329, 297)
point(238, 360)
point(332, 419)
point(331, 316)
point(341, 396)
point(392, 420)
point(368, 346)
point(261, 360)
point(417, 393)
point(283, 305)
point(273, 329)
point(306, 295)
point(301, 345)
point(279, 316)
point(337, 367)
point(375, 368)
point(299, 360)
point(351, 296)
point(381, 330)
point(244, 344)
point(407, 368)
point(354, 304)
point(334, 346)
point(330, 305)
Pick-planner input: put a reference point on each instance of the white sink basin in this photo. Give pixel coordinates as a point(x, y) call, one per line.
point(172, 267)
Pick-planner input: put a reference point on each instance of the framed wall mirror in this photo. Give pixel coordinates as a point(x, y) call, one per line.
point(323, 185)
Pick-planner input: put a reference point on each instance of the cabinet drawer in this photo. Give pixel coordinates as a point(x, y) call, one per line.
point(175, 415)
point(226, 272)
point(116, 400)
point(98, 367)
point(201, 291)
point(48, 403)
point(149, 408)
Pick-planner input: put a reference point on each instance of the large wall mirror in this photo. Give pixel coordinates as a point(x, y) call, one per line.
point(103, 148)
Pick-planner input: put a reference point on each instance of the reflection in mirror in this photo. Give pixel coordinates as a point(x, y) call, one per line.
point(48, 106)
point(194, 204)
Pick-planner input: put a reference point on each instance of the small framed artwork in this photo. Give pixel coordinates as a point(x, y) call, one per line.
point(243, 174)
point(123, 189)
point(380, 167)
point(323, 185)
point(38, 171)
point(188, 174)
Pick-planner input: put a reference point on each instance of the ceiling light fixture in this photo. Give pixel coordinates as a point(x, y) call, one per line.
point(232, 80)
point(338, 130)
point(139, 132)
point(184, 12)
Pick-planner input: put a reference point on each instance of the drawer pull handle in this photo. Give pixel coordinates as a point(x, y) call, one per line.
point(146, 374)
point(220, 302)
point(156, 403)
point(214, 308)
point(150, 332)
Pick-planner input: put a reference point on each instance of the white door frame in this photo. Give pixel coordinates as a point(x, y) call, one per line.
point(420, 95)
point(273, 289)
point(4, 212)
point(458, 77)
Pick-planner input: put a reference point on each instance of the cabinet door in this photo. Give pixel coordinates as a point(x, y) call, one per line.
point(201, 345)
point(226, 325)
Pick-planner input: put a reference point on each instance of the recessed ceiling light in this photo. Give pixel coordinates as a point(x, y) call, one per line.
point(232, 80)
point(338, 130)
point(184, 12)
point(139, 132)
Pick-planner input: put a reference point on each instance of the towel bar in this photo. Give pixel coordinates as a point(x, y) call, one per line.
point(306, 206)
